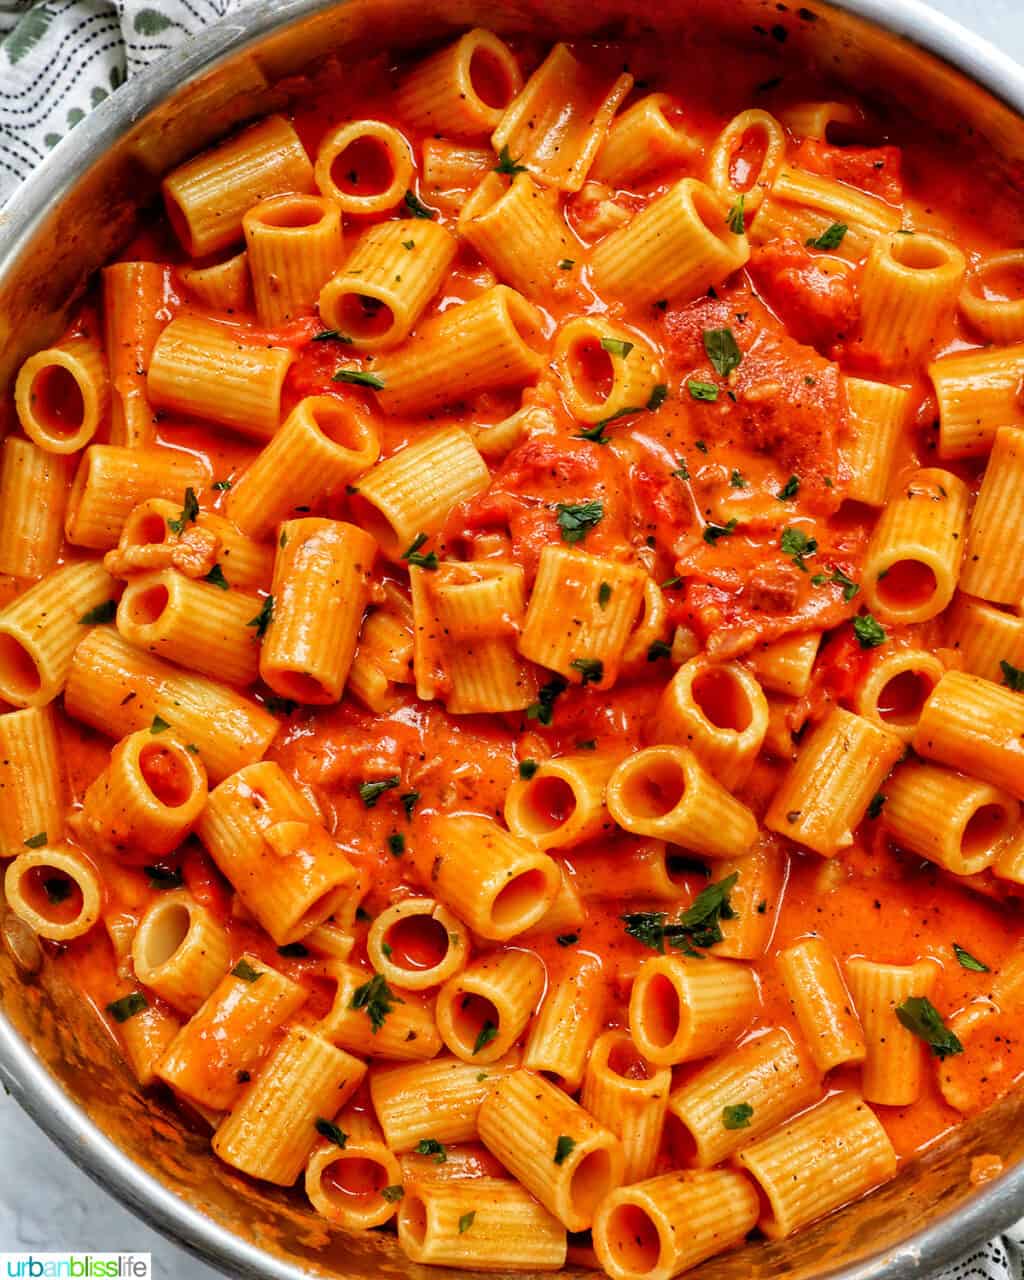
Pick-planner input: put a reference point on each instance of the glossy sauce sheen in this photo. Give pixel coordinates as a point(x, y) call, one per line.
point(789, 316)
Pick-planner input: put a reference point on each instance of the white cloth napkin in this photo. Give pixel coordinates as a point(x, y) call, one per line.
point(61, 58)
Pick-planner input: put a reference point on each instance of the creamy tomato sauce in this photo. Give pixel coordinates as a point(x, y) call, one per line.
point(664, 478)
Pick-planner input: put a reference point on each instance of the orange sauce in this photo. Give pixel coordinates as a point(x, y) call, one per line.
point(663, 479)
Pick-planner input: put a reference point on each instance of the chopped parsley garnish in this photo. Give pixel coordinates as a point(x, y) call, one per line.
point(280, 706)
point(567, 939)
point(922, 1019)
point(159, 725)
point(713, 532)
point(564, 1148)
point(105, 612)
point(657, 397)
point(617, 347)
point(506, 164)
point(246, 972)
point(527, 768)
point(128, 1006)
point(735, 219)
point(377, 999)
point(850, 588)
point(738, 1116)
point(328, 335)
point(466, 1221)
point(189, 512)
point(658, 649)
point(594, 434)
point(604, 593)
point(790, 489)
point(830, 239)
point(216, 577)
point(161, 877)
point(967, 961)
point(396, 844)
point(393, 1193)
point(414, 556)
point(700, 445)
point(544, 708)
point(682, 472)
point(488, 1032)
point(359, 378)
point(703, 391)
point(796, 544)
point(431, 1147)
point(37, 841)
point(576, 519)
point(869, 631)
point(327, 1129)
point(591, 669)
point(222, 486)
point(371, 792)
point(877, 804)
point(416, 206)
point(722, 350)
point(567, 264)
point(57, 889)
point(282, 541)
point(409, 801)
point(1013, 677)
point(698, 926)
point(264, 618)
point(736, 480)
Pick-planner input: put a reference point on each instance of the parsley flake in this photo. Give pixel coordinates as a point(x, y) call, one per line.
point(591, 669)
point(713, 532)
point(576, 519)
point(735, 219)
point(722, 350)
point(416, 206)
point(967, 961)
point(869, 631)
point(1013, 677)
point(105, 612)
point(327, 1129)
point(189, 512)
point(377, 999)
point(246, 972)
point(415, 556)
point(830, 239)
point(564, 1148)
point(371, 792)
point(264, 618)
point(544, 708)
point(359, 378)
point(790, 489)
point(488, 1032)
point(527, 768)
point(796, 544)
point(36, 842)
point(128, 1006)
point(698, 926)
point(922, 1019)
point(506, 164)
point(431, 1147)
point(466, 1221)
point(217, 579)
point(617, 347)
point(738, 1116)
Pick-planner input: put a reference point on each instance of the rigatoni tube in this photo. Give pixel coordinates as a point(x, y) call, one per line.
point(35, 485)
point(438, 1099)
point(562, 803)
point(483, 1010)
point(628, 1095)
point(32, 784)
point(604, 369)
point(417, 943)
point(55, 890)
point(40, 629)
point(894, 1065)
point(683, 1008)
point(665, 793)
point(294, 246)
point(555, 1149)
point(994, 558)
point(147, 799)
point(133, 314)
point(180, 950)
point(462, 90)
point(975, 725)
point(62, 395)
point(344, 1183)
point(320, 590)
point(518, 230)
point(909, 286)
point(272, 1130)
point(567, 1022)
point(824, 1008)
point(387, 281)
point(365, 166)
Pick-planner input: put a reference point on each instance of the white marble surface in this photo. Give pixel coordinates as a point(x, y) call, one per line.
point(45, 1202)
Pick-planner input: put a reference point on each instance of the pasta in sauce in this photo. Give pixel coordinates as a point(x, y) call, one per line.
point(513, 654)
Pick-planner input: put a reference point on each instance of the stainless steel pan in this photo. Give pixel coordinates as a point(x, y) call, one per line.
point(69, 218)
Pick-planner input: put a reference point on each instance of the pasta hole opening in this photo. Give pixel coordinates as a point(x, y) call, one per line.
point(52, 894)
point(471, 1014)
point(591, 370)
point(57, 400)
point(364, 168)
point(633, 1239)
point(293, 213)
point(352, 1178)
point(909, 584)
point(319, 909)
point(591, 1181)
point(21, 679)
point(654, 789)
point(414, 1218)
point(489, 79)
point(418, 943)
point(150, 530)
point(165, 933)
point(985, 831)
point(167, 774)
point(661, 1010)
point(748, 159)
point(679, 1141)
point(376, 524)
point(1000, 280)
point(363, 316)
point(903, 697)
point(300, 686)
point(625, 1060)
point(338, 424)
point(146, 607)
point(550, 803)
point(722, 700)
point(673, 115)
point(518, 898)
point(918, 253)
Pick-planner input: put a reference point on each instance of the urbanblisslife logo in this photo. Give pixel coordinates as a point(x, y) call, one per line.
point(77, 1266)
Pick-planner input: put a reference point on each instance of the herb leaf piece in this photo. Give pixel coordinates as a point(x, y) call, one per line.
point(264, 618)
point(1013, 677)
point(127, 1007)
point(377, 999)
point(488, 1032)
point(738, 1116)
point(506, 164)
point(922, 1019)
point(702, 390)
point(564, 1148)
point(722, 350)
point(416, 206)
point(371, 792)
point(327, 1129)
point(969, 962)
point(359, 378)
point(869, 631)
point(712, 532)
point(831, 238)
point(576, 519)
point(105, 612)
